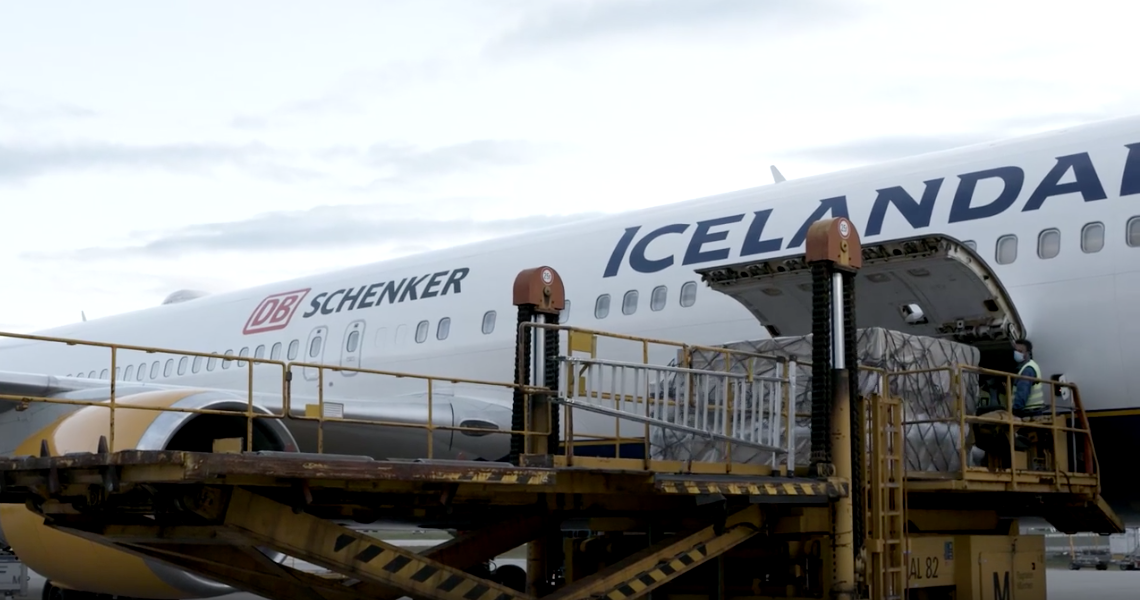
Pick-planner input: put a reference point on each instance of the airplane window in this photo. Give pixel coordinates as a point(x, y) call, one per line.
point(155, 369)
point(1048, 244)
point(443, 328)
point(275, 352)
point(103, 374)
point(1006, 251)
point(971, 244)
point(421, 332)
point(226, 363)
point(602, 307)
point(353, 341)
point(1092, 237)
point(197, 366)
point(169, 368)
point(210, 362)
point(182, 362)
point(142, 372)
point(315, 347)
point(260, 352)
point(1134, 232)
point(629, 303)
point(244, 352)
point(294, 347)
point(401, 334)
point(130, 372)
point(488, 321)
point(689, 294)
point(381, 337)
point(565, 314)
point(658, 297)
point(91, 375)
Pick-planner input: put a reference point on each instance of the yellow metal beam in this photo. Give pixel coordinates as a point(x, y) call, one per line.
point(348, 552)
point(647, 570)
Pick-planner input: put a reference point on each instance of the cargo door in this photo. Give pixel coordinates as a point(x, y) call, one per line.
point(928, 286)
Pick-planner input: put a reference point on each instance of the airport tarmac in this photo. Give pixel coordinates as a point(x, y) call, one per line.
point(1063, 584)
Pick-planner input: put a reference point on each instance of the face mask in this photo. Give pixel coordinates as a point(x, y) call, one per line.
point(1018, 356)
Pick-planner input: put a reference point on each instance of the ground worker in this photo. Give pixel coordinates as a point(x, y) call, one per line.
point(1028, 396)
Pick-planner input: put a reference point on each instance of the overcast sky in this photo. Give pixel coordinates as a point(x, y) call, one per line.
point(151, 146)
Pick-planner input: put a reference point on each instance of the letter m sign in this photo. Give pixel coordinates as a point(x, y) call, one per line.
point(274, 312)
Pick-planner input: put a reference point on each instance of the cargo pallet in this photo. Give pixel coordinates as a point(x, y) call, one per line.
point(854, 524)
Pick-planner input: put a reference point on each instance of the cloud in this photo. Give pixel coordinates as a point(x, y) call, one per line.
point(324, 227)
point(588, 21)
point(345, 96)
point(19, 162)
point(17, 107)
point(884, 148)
point(401, 163)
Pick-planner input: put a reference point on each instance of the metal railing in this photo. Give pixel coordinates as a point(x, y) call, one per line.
point(951, 431)
point(681, 413)
point(679, 402)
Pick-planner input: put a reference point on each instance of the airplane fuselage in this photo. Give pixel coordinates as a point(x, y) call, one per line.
point(1058, 207)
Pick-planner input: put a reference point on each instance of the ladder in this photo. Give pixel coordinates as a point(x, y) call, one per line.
point(886, 510)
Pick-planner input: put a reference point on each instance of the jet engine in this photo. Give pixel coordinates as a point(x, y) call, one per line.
point(82, 568)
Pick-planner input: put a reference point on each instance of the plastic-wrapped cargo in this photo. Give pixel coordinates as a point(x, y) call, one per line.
point(925, 395)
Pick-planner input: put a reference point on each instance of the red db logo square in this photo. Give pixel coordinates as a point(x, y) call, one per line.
point(274, 312)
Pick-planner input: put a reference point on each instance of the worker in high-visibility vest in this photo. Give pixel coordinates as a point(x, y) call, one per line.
point(1028, 396)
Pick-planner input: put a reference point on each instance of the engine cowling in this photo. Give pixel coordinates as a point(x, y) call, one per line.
point(74, 563)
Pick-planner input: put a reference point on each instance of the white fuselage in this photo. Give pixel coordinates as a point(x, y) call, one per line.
point(1081, 307)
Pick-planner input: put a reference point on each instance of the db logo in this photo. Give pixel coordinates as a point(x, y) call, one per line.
point(274, 312)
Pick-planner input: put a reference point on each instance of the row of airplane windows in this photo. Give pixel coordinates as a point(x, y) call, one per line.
point(1005, 252)
point(157, 369)
point(1049, 241)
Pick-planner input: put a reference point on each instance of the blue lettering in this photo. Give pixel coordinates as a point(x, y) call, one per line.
point(453, 282)
point(315, 305)
point(702, 236)
point(410, 290)
point(325, 308)
point(637, 258)
point(837, 206)
point(916, 213)
point(350, 297)
point(366, 301)
point(619, 251)
point(1087, 182)
point(1012, 179)
point(1130, 183)
point(752, 242)
point(435, 281)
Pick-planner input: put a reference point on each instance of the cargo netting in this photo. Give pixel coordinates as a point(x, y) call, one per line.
point(920, 371)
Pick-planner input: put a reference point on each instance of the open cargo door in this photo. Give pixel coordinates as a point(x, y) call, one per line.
point(931, 285)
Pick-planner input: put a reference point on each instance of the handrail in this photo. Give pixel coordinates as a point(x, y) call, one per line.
point(735, 413)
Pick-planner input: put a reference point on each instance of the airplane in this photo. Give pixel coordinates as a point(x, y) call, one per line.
point(1047, 220)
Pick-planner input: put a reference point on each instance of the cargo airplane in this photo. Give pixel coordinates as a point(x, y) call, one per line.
point(1046, 229)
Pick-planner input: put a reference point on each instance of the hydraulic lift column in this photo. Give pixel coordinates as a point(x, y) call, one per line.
point(541, 297)
point(835, 254)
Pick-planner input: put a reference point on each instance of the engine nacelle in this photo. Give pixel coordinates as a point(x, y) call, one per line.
point(75, 563)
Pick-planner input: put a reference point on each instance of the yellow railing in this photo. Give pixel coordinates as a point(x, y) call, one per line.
point(656, 383)
point(112, 401)
point(945, 413)
point(941, 401)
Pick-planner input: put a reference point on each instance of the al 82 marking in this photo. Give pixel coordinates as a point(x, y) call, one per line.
point(924, 567)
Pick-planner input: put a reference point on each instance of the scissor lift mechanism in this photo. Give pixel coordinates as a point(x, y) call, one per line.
point(803, 536)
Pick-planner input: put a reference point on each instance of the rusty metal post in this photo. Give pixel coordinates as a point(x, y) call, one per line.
point(541, 297)
point(834, 251)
